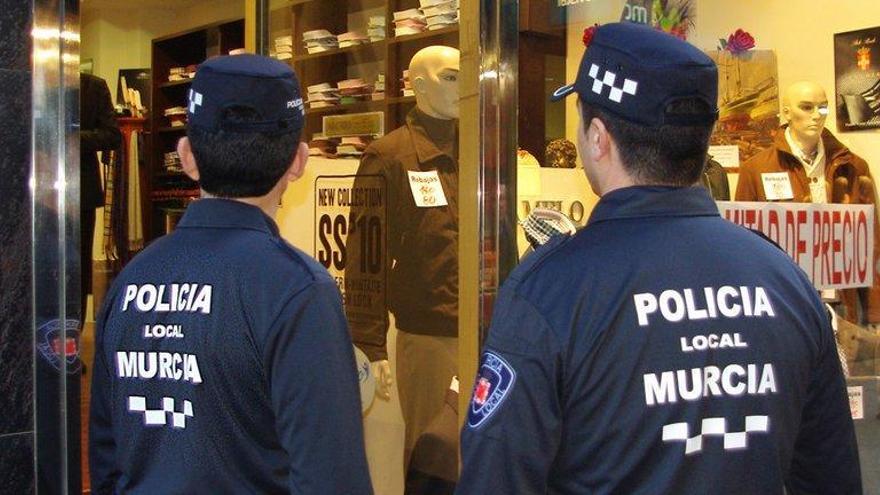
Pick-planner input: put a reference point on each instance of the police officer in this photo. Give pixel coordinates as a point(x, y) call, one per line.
point(223, 360)
point(661, 349)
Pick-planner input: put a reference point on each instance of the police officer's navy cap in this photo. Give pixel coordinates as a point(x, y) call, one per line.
point(634, 72)
point(265, 85)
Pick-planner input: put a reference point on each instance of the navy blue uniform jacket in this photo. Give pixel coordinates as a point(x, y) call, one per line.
point(223, 365)
point(661, 350)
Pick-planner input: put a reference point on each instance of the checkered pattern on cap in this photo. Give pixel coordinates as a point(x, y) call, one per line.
point(635, 72)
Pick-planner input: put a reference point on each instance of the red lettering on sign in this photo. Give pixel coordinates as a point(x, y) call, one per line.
point(773, 227)
point(835, 248)
point(862, 246)
point(817, 246)
point(826, 246)
point(801, 243)
point(750, 219)
point(847, 233)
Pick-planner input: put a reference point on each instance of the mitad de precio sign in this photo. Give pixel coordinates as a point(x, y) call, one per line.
point(832, 243)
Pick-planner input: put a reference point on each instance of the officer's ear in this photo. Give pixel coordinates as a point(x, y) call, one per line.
point(298, 165)
point(598, 140)
point(187, 159)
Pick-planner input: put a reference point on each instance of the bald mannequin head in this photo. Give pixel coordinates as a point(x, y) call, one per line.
point(805, 108)
point(433, 73)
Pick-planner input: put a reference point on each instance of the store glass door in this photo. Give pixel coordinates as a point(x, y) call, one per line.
point(764, 57)
point(381, 207)
point(407, 199)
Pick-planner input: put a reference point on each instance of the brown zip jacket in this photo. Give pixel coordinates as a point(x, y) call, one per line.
point(848, 181)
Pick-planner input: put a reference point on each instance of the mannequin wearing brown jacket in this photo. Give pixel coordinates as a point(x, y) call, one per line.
point(839, 176)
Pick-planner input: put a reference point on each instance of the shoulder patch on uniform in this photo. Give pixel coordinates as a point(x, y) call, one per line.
point(494, 382)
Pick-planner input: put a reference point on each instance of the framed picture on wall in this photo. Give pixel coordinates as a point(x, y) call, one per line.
point(857, 79)
point(748, 104)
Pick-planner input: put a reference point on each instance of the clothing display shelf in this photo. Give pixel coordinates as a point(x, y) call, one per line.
point(389, 56)
point(173, 60)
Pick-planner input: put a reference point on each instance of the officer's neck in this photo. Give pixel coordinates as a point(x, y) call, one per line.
point(268, 204)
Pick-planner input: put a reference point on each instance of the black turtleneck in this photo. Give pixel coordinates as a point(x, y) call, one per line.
point(442, 132)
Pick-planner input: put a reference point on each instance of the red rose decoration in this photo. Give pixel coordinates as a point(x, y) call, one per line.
point(740, 42)
point(588, 35)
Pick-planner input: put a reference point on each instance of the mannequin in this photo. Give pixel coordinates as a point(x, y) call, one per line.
point(805, 108)
point(419, 165)
point(434, 75)
point(814, 167)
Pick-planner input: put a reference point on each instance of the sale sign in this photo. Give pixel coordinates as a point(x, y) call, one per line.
point(832, 243)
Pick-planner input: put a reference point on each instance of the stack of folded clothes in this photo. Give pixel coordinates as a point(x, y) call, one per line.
point(321, 145)
point(353, 90)
point(322, 95)
point(376, 28)
point(353, 146)
point(410, 21)
point(181, 73)
point(172, 162)
point(352, 38)
point(379, 87)
point(440, 13)
point(407, 86)
point(320, 40)
point(283, 47)
point(176, 116)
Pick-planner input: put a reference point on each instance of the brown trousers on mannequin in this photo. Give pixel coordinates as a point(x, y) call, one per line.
point(425, 367)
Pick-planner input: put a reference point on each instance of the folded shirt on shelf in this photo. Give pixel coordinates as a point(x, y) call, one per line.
point(352, 38)
point(283, 48)
point(323, 146)
point(172, 162)
point(440, 13)
point(182, 73)
point(320, 40)
point(406, 88)
point(352, 90)
point(376, 28)
point(176, 116)
point(410, 21)
point(341, 147)
point(379, 88)
point(322, 95)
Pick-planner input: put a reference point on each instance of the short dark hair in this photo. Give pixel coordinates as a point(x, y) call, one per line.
point(241, 164)
point(666, 155)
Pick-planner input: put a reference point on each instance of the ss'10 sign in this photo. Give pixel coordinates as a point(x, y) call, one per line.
point(350, 240)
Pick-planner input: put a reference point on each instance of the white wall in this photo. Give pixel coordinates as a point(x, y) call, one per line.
point(801, 32)
point(120, 37)
point(116, 38)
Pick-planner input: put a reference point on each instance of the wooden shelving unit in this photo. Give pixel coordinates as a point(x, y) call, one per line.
point(171, 84)
point(390, 56)
point(437, 33)
point(369, 48)
point(190, 47)
point(360, 106)
point(172, 129)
